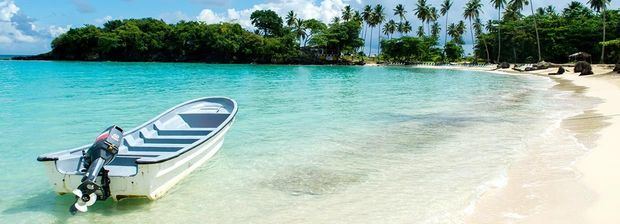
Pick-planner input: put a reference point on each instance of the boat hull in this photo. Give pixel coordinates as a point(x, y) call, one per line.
point(152, 180)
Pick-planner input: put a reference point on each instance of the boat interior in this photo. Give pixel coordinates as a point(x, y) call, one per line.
point(166, 136)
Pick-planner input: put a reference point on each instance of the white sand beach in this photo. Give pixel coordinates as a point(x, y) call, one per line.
point(588, 192)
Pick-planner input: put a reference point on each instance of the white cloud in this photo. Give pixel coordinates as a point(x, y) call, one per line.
point(58, 30)
point(7, 10)
point(324, 11)
point(103, 20)
point(174, 17)
point(15, 27)
point(208, 16)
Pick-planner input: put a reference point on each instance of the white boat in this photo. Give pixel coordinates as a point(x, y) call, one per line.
point(153, 157)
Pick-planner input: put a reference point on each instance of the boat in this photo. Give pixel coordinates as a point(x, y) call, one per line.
point(146, 161)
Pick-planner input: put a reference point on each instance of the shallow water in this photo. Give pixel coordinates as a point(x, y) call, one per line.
point(310, 143)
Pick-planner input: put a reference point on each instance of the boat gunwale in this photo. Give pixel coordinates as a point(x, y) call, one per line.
point(54, 155)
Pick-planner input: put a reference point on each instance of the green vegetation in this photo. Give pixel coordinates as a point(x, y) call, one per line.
point(546, 35)
point(576, 29)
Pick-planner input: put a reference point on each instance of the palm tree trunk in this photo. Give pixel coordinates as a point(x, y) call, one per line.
point(499, 34)
point(536, 29)
point(365, 30)
point(445, 38)
point(370, 47)
point(473, 42)
point(428, 25)
point(486, 47)
point(379, 43)
point(603, 50)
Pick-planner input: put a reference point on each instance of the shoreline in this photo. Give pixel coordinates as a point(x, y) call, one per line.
point(589, 191)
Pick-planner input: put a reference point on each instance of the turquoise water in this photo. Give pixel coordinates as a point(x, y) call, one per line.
point(310, 144)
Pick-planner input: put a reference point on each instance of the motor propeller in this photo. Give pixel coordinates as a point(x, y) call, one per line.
point(101, 153)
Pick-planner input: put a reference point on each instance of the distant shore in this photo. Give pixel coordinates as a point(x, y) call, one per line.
point(593, 195)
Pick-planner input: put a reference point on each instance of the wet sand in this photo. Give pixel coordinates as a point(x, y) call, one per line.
point(556, 181)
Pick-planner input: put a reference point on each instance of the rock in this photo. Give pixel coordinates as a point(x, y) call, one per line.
point(586, 69)
point(580, 65)
point(543, 65)
point(503, 65)
point(561, 70)
point(617, 68)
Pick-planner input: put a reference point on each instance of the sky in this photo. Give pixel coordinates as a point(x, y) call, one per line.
point(28, 26)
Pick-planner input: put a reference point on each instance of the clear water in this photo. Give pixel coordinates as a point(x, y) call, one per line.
point(311, 143)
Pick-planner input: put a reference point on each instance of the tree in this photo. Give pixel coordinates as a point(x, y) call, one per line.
point(445, 9)
point(454, 51)
point(389, 28)
point(455, 31)
point(347, 13)
point(600, 6)
point(367, 17)
point(336, 20)
point(517, 5)
point(576, 10)
point(379, 18)
point(420, 32)
point(478, 31)
point(432, 17)
point(406, 27)
point(435, 29)
point(499, 4)
point(267, 21)
point(290, 18)
point(421, 10)
point(300, 30)
point(339, 38)
point(472, 11)
point(315, 27)
point(400, 11)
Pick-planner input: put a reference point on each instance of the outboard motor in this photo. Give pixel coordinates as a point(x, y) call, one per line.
point(101, 153)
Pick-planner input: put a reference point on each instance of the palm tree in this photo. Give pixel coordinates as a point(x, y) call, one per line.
point(406, 27)
point(517, 5)
point(478, 29)
point(512, 13)
point(600, 6)
point(400, 11)
point(445, 9)
point(367, 17)
point(336, 20)
point(456, 32)
point(432, 17)
point(453, 31)
point(300, 30)
point(357, 17)
point(435, 29)
point(499, 4)
point(389, 28)
point(421, 10)
point(372, 22)
point(347, 13)
point(420, 31)
point(379, 17)
point(290, 18)
point(472, 11)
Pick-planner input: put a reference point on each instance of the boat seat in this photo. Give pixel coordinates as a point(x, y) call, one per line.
point(172, 139)
point(156, 147)
point(181, 131)
point(142, 154)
